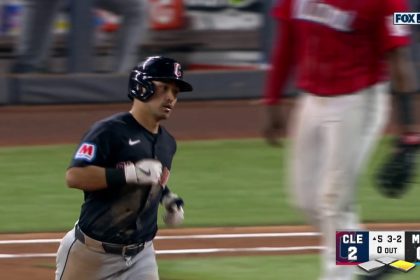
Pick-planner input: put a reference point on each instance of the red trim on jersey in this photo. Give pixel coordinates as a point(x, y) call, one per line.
point(282, 62)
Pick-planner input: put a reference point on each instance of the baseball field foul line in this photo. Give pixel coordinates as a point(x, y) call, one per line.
point(19, 256)
point(29, 241)
point(239, 235)
point(187, 251)
point(182, 251)
point(169, 237)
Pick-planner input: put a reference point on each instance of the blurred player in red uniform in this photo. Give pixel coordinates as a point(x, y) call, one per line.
point(344, 53)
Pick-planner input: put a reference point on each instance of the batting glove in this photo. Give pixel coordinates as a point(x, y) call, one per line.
point(143, 172)
point(174, 214)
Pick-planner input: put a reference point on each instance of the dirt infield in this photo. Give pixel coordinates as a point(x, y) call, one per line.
point(32, 256)
point(30, 125)
point(33, 125)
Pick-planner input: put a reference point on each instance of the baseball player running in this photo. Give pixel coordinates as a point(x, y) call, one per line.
point(343, 51)
point(122, 165)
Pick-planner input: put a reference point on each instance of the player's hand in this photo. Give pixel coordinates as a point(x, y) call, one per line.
point(174, 211)
point(172, 202)
point(275, 124)
point(143, 172)
point(174, 218)
point(396, 175)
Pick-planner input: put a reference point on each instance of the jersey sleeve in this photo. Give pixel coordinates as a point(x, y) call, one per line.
point(94, 148)
point(393, 36)
point(282, 57)
point(172, 148)
point(282, 10)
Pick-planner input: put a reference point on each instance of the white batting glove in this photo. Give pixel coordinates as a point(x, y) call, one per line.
point(174, 218)
point(143, 172)
point(174, 211)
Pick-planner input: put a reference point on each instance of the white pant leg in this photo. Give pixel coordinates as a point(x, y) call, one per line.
point(331, 140)
point(37, 25)
point(305, 157)
point(131, 31)
point(376, 115)
point(352, 128)
point(342, 137)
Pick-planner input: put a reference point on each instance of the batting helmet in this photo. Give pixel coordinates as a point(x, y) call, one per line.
point(157, 68)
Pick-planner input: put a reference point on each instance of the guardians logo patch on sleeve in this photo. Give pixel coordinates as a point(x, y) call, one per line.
point(86, 151)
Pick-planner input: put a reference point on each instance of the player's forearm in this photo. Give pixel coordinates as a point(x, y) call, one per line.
point(93, 178)
point(89, 178)
point(404, 87)
point(402, 70)
point(281, 63)
point(406, 112)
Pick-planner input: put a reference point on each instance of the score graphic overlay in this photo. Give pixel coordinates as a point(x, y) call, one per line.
point(412, 248)
point(375, 250)
point(386, 244)
point(351, 247)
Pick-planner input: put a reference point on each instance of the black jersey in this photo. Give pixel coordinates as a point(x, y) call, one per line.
point(125, 214)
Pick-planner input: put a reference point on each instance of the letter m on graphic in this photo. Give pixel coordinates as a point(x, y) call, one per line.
point(86, 151)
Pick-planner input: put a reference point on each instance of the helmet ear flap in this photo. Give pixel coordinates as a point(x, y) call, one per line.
point(157, 68)
point(141, 89)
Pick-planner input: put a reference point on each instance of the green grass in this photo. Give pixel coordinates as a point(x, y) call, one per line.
point(241, 268)
point(224, 183)
point(32, 192)
point(291, 267)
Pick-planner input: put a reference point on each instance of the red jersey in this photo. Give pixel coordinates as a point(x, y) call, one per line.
point(337, 46)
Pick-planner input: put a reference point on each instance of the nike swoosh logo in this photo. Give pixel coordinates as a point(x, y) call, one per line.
point(133, 142)
point(146, 172)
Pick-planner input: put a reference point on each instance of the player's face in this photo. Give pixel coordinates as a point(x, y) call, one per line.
point(163, 101)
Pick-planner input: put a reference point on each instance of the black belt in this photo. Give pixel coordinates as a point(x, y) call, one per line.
point(118, 249)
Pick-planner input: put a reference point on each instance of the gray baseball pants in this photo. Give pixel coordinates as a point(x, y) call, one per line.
point(76, 260)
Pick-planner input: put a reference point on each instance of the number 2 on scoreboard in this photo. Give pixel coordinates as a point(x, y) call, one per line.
point(352, 253)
